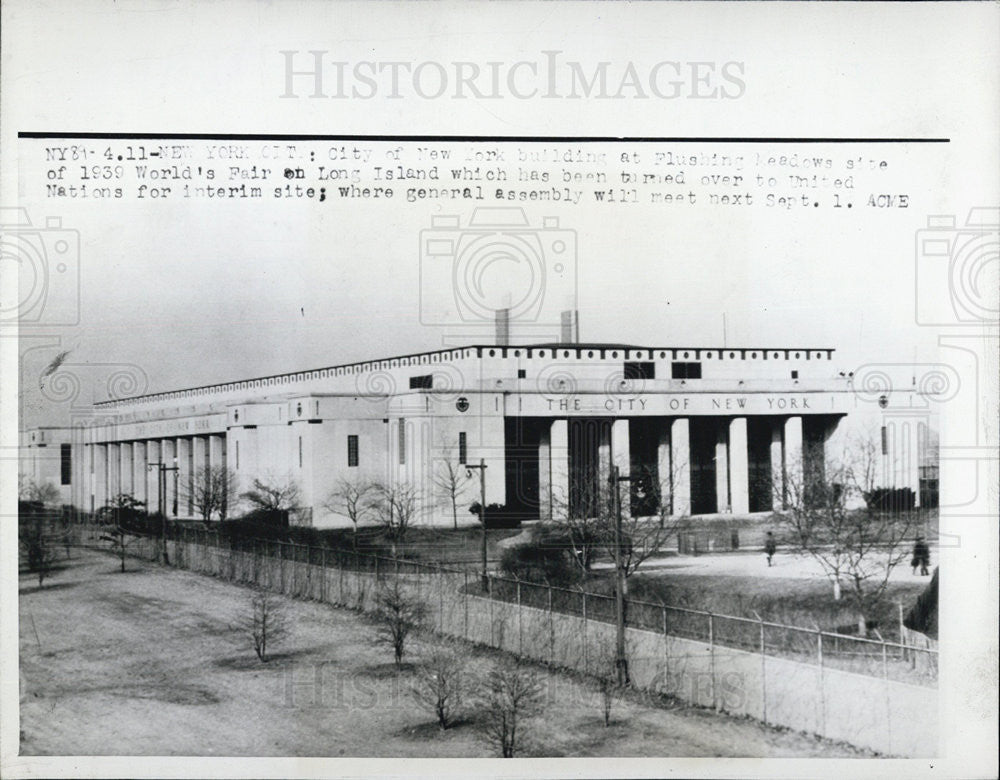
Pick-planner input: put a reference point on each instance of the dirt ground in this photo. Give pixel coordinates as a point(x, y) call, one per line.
point(150, 662)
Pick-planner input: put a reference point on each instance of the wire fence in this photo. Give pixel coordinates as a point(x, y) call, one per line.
point(870, 693)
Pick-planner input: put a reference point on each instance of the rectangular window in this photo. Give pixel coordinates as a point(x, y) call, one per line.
point(885, 440)
point(402, 442)
point(237, 454)
point(640, 370)
point(424, 382)
point(66, 463)
point(521, 373)
point(463, 452)
point(795, 374)
point(685, 370)
point(352, 451)
point(300, 452)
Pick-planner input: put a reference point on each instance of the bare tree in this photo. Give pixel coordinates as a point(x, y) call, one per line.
point(398, 614)
point(30, 490)
point(264, 621)
point(274, 495)
point(451, 479)
point(512, 694)
point(607, 679)
point(353, 498)
point(859, 545)
point(396, 507)
point(439, 686)
point(38, 544)
point(123, 518)
point(212, 490)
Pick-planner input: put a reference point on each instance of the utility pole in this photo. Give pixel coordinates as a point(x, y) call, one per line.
point(482, 514)
point(161, 497)
point(621, 660)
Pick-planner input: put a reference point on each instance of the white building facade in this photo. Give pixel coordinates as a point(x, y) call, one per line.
point(716, 430)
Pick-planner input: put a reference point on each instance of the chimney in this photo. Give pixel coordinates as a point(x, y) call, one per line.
point(503, 327)
point(569, 331)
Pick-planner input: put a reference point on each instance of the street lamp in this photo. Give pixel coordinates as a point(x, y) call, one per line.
point(161, 497)
point(621, 661)
point(482, 512)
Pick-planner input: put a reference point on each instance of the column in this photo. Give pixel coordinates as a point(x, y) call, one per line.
point(663, 466)
point(184, 477)
point(153, 476)
point(139, 479)
point(559, 462)
point(793, 459)
point(100, 475)
point(680, 466)
point(128, 478)
point(114, 467)
point(620, 457)
point(739, 465)
point(545, 474)
point(777, 467)
point(216, 453)
point(722, 469)
point(168, 451)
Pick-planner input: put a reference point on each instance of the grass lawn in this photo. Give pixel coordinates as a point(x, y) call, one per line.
point(149, 663)
point(794, 601)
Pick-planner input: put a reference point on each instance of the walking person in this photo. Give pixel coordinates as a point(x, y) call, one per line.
point(770, 547)
point(921, 557)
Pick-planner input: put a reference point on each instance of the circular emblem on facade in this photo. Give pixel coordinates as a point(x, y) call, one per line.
point(883, 401)
point(462, 404)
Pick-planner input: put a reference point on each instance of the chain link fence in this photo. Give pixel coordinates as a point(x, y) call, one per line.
point(869, 693)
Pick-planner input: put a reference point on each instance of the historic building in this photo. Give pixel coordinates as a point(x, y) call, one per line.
point(709, 430)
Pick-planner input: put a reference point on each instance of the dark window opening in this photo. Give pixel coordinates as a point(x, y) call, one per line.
point(680, 370)
point(352, 451)
point(66, 463)
point(640, 370)
point(402, 442)
point(521, 373)
point(423, 382)
point(795, 375)
point(463, 452)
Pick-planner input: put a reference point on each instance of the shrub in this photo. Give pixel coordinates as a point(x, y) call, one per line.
point(534, 562)
point(512, 694)
point(439, 685)
point(398, 614)
point(891, 499)
point(498, 516)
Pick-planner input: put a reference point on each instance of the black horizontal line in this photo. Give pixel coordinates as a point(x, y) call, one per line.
point(58, 135)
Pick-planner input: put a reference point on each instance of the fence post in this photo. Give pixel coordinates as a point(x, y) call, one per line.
point(376, 572)
point(666, 649)
point(439, 578)
point(586, 650)
point(322, 582)
point(822, 682)
point(888, 696)
point(711, 658)
point(465, 604)
point(763, 671)
point(520, 633)
point(489, 595)
point(552, 632)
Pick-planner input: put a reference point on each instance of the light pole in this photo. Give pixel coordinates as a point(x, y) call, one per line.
point(161, 497)
point(482, 513)
point(621, 660)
